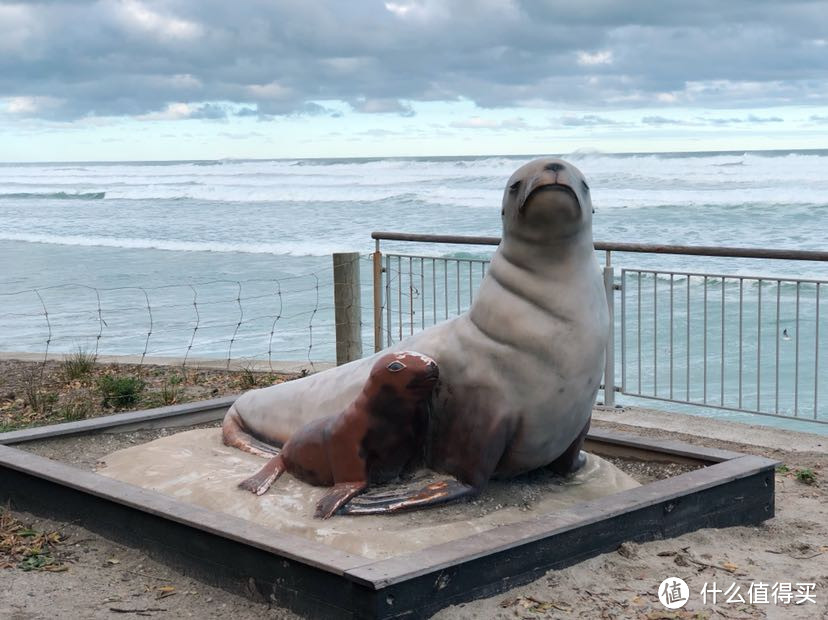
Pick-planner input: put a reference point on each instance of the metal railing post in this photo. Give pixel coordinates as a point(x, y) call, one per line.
point(609, 361)
point(377, 261)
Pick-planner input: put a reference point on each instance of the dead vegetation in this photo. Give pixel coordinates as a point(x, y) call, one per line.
point(28, 549)
point(76, 388)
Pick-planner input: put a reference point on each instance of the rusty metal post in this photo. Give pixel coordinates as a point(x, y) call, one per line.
point(347, 307)
point(377, 256)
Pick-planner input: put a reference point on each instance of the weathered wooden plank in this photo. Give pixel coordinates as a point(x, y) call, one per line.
point(33, 467)
point(745, 500)
point(625, 444)
point(392, 570)
point(174, 415)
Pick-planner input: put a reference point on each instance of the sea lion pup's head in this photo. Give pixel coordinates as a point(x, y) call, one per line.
point(545, 201)
point(409, 373)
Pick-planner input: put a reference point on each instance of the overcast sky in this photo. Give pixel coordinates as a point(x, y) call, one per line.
point(170, 79)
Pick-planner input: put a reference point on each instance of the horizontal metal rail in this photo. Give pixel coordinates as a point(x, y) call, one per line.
point(642, 248)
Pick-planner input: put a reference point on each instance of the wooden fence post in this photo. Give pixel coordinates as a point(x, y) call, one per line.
point(377, 263)
point(347, 307)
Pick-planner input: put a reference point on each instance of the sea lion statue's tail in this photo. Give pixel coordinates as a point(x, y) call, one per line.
point(234, 434)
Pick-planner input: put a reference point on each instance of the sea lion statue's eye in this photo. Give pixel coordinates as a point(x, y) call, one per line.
point(395, 366)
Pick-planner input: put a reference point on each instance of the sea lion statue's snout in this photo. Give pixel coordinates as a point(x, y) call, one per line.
point(547, 200)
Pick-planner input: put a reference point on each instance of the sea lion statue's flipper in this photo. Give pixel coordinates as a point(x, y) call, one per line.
point(431, 495)
point(261, 481)
point(573, 458)
point(340, 494)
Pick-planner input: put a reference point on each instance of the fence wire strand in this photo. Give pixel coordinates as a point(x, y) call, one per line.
point(276, 320)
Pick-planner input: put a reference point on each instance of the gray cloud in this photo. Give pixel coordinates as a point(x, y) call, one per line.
point(71, 59)
point(662, 121)
point(587, 120)
point(751, 119)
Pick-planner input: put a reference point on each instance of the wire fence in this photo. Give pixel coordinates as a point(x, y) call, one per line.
point(267, 320)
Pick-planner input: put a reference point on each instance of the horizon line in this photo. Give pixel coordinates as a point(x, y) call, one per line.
point(454, 156)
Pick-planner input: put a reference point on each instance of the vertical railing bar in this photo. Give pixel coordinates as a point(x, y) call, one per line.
point(722, 368)
point(796, 362)
point(672, 349)
point(655, 334)
point(759, 350)
point(638, 326)
point(623, 330)
point(471, 285)
point(776, 369)
point(422, 293)
point(741, 300)
point(457, 262)
point(445, 286)
point(434, 289)
point(388, 311)
point(816, 356)
point(687, 370)
point(704, 347)
point(399, 296)
point(410, 296)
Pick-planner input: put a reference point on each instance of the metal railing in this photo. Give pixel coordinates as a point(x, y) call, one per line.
point(747, 343)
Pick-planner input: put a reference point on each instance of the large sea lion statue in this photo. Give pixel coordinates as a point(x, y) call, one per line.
point(519, 371)
point(379, 436)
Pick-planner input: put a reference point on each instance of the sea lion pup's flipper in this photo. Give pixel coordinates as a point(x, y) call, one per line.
point(234, 434)
point(340, 494)
point(431, 495)
point(474, 464)
point(261, 481)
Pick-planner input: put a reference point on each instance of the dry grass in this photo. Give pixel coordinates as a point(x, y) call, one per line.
point(36, 393)
point(28, 549)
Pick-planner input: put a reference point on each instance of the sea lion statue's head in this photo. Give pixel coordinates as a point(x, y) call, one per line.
point(410, 374)
point(546, 201)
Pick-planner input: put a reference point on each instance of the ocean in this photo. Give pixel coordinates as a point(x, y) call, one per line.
point(231, 258)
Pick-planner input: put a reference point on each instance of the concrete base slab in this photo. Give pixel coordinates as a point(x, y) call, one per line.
point(755, 434)
point(195, 467)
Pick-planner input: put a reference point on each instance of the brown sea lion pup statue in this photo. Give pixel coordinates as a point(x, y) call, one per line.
point(377, 437)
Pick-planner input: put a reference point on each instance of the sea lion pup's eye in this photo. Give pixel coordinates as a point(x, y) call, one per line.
point(514, 186)
point(586, 187)
point(395, 366)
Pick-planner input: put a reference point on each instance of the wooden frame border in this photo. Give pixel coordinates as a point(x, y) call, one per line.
point(313, 579)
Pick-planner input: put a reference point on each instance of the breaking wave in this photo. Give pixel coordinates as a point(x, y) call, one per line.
point(55, 195)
